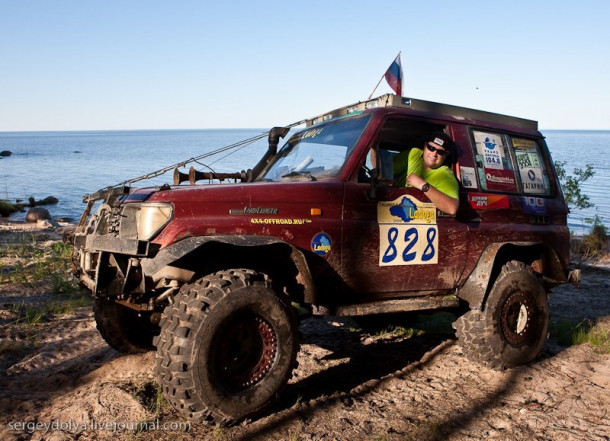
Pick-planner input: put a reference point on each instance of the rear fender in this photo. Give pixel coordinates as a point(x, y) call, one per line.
point(540, 257)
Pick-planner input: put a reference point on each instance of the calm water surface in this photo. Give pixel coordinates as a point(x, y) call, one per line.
point(70, 164)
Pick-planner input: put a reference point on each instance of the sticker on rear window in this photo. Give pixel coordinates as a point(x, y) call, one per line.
point(530, 166)
point(468, 177)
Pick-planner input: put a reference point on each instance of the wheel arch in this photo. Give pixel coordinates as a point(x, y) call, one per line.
point(283, 262)
point(540, 257)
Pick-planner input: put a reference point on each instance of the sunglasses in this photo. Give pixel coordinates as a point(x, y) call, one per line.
point(441, 152)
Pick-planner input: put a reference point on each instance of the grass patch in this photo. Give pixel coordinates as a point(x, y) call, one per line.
point(399, 331)
point(592, 246)
point(567, 333)
point(596, 336)
point(149, 394)
point(33, 315)
point(7, 208)
point(32, 263)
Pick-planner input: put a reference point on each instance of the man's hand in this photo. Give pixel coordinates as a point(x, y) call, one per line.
point(443, 202)
point(416, 181)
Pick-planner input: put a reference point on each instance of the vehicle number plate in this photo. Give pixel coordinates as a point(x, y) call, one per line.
point(408, 244)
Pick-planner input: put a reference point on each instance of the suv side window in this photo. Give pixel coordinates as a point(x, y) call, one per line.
point(399, 136)
point(510, 164)
point(532, 172)
point(495, 166)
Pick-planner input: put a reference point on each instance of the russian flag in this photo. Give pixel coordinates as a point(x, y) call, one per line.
point(394, 76)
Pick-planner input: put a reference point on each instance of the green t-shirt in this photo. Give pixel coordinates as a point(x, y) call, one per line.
point(441, 178)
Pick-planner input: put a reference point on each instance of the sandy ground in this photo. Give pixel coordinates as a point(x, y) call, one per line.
point(60, 381)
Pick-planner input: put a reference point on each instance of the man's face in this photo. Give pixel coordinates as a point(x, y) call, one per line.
point(434, 159)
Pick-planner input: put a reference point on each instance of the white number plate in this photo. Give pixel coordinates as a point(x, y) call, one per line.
point(408, 244)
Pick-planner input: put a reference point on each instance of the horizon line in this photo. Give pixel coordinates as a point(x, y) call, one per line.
point(226, 128)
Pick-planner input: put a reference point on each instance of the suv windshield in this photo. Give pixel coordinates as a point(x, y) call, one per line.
point(317, 152)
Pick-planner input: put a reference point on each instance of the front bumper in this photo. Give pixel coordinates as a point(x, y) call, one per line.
point(111, 244)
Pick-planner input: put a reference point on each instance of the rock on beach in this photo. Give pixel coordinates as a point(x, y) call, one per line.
point(36, 214)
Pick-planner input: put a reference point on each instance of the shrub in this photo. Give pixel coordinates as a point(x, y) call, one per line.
point(594, 245)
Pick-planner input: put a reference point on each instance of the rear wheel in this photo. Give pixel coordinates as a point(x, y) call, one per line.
point(227, 346)
point(124, 329)
point(512, 328)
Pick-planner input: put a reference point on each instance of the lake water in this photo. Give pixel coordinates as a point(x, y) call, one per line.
point(68, 165)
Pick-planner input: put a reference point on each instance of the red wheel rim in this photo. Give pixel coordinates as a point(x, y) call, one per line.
point(245, 351)
point(518, 314)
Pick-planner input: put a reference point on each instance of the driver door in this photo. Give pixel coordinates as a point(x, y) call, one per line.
point(396, 243)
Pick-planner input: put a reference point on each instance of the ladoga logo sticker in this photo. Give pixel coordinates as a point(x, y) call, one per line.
point(321, 244)
point(408, 234)
point(406, 209)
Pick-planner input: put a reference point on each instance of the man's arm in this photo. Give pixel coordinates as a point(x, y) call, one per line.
point(443, 202)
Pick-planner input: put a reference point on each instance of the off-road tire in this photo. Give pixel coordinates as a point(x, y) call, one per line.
point(122, 328)
point(512, 328)
point(227, 347)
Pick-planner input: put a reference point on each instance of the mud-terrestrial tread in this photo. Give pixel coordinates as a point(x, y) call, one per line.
point(478, 334)
point(176, 342)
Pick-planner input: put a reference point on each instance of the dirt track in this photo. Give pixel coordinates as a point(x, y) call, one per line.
point(351, 384)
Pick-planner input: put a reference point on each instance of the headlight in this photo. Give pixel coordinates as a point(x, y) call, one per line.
point(152, 219)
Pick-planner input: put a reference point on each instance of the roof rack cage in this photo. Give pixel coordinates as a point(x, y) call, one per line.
point(459, 113)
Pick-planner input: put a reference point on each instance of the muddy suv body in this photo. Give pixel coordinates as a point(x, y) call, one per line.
point(215, 275)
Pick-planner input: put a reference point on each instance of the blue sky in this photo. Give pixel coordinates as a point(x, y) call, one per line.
point(86, 65)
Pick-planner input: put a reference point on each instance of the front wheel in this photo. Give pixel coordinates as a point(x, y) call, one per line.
point(124, 329)
point(227, 346)
point(512, 327)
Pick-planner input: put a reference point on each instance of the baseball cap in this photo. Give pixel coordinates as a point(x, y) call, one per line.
point(441, 139)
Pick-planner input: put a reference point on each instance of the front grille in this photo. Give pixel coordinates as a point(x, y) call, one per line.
point(128, 221)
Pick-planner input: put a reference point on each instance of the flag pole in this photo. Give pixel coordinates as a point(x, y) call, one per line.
point(380, 80)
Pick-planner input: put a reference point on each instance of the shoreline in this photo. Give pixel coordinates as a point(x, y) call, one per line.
point(57, 367)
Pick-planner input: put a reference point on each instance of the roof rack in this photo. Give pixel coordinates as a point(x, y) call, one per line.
point(459, 113)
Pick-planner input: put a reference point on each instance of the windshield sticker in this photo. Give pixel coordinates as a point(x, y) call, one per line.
point(490, 145)
point(408, 234)
point(468, 177)
point(254, 210)
point(321, 244)
point(307, 134)
point(275, 221)
point(487, 201)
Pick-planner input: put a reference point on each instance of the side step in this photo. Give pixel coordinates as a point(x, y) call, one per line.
point(403, 305)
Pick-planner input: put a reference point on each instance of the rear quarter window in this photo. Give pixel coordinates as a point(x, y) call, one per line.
point(534, 178)
point(509, 164)
point(494, 162)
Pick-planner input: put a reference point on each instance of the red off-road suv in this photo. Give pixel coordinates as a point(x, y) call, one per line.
point(213, 275)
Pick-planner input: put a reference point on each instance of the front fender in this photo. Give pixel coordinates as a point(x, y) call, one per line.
point(172, 253)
